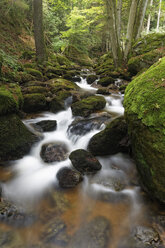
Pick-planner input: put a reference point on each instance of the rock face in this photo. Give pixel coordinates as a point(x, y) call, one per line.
point(68, 178)
point(94, 234)
point(88, 105)
point(53, 152)
point(111, 140)
point(84, 161)
point(145, 114)
point(15, 139)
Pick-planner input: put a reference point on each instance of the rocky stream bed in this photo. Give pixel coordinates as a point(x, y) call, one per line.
point(77, 188)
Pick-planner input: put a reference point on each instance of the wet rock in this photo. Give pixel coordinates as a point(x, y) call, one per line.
point(94, 234)
point(84, 161)
point(56, 104)
point(91, 79)
point(10, 214)
point(142, 237)
point(76, 79)
point(103, 91)
point(111, 140)
point(55, 233)
point(106, 81)
point(68, 178)
point(47, 125)
point(53, 152)
point(146, 236)
point(82, 126)
point(88, 105)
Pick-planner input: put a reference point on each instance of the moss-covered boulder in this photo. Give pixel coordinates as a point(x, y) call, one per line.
point(15, 138)
point(62, 60)
point(148, 43)
point(35, 89)
point(88, 105)
point(111, 140)
point(11, 99)
point(60, 84)
point(145, 114)
point(77, 56)
point(105, 81)
point(34, 103)
point(138, 63)
point(36, 73)
point(91, 79)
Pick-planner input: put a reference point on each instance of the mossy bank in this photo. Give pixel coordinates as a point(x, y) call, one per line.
point(145, 114)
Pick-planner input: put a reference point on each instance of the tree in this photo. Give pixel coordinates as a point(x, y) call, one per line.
point(149, 18)
point(159, 13)
point(38, 31)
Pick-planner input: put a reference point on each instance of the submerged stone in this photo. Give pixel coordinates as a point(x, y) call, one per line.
point(94, 234)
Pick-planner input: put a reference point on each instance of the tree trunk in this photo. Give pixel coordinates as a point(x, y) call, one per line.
point(115, 46)
point(130, 27)
point(141, 15)
point(158, 20)
point(149, 18)
point(38, 31)
point(119, 9)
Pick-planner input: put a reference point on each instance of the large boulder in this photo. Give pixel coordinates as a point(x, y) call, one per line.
point(145, 114)
point(105, 81)
point(54, 152)
point(15, 139)
point(88, 105)
point(84, 161)
point(111, 140)
point(68, 178)
point(91, 79)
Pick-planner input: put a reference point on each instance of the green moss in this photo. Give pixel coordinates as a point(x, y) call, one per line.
point(145, 113)
point(105, 81)
point(34, 72)
point(88, 105)
point(35, 89)
point(15, 138)
point(11, 98)
point(62, 60)
point(148, 43)
point(139, 63)
point(34, 103)
point(59, 84)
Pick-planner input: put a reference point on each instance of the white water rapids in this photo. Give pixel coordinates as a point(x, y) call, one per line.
point(33, 176)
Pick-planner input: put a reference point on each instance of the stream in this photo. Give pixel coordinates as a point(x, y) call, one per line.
point(53, 217)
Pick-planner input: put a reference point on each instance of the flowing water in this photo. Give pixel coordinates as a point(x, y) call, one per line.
point(113, 192)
